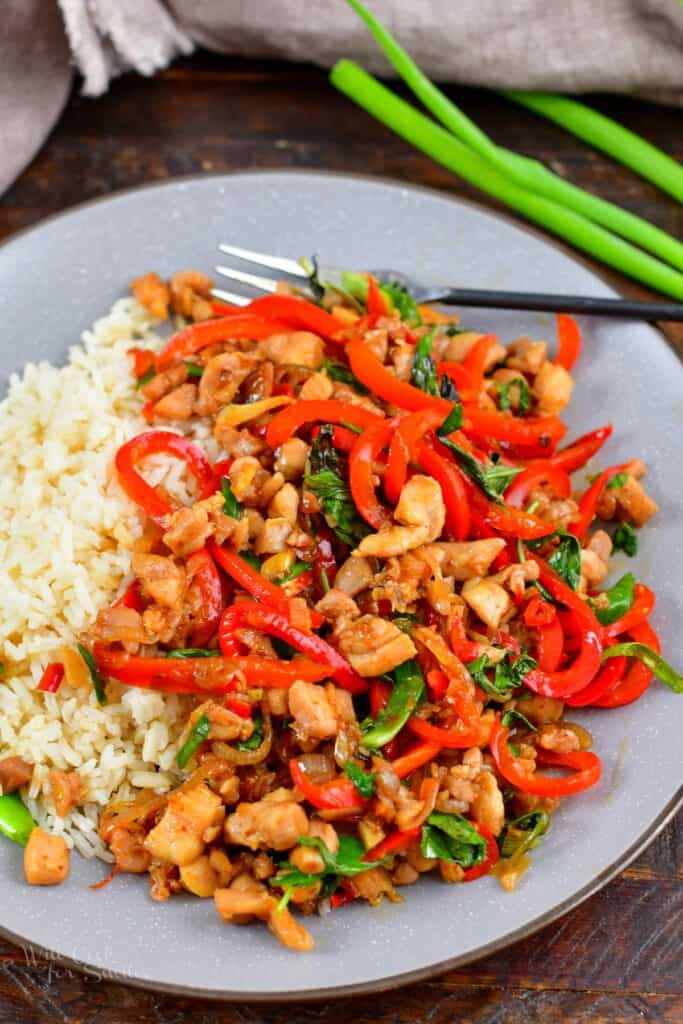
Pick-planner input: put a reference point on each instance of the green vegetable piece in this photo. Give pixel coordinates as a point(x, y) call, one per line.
point(403, 303)
point(523, 834)
point(452, 422)
point(256, 738)
point(251, 559)
point(620, 598)
point(407, 692)
point(545, 594)
point(512, 716)
point(566, 560)
point(493, 477)
point(508, 675)
point(298, 569)
point(625, 539)
point(405, 622)
point(338, 506)
point(231, 505)
point(363, 781)
point(15, 821)
point(452, 838)
point(423, 366)
point(655, 662)
point(342, 373)
point(503, 389)
point(448, 389)
point(193, 370)
point(146, 378)
point(97, 680)
point(617, 481)
point(346, 863)
point(192, 652)
point(200, 732)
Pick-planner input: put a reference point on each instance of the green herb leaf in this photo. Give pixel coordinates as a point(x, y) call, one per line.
point(448, 389)
point(405, 622)
point(407, 692)
point(566, 560)
point(625, 539)
point(200, 732)
point(256, 738)
point(251, 559)
point(342, 373)
point(493, 477)
point(231, 505)
point(363, 781)
point(424, 374)
point(192, 652)
point(508, 675)
point(620, 598)
point(97, 680)
point(452, 422)
point(337, 506)
point(403, 303)
point(617, 481)
point(452, 838)
point(655, 662)
point(323, 454)
point(545, 594)
point(298, 569)
point(316, 285)
point(193, 370)
point(503, 388)
point(146, 378)
point(290, 878)
point(347, 861)
point(523, 834)
point(512, 716)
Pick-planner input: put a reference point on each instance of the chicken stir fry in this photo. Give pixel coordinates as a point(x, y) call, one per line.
point(384, 596)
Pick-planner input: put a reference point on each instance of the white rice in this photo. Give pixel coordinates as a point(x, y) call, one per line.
point(66, 530)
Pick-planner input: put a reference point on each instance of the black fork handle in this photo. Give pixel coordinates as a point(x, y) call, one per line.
point(587, 305)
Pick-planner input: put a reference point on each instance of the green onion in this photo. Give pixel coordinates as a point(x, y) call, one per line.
point(191, 652)
point(200, 732)
point(443, 147)
point(609, 136)
point(231, 505)
point(97, 680)
point(363, 781)
point(661, 668)
point(528, 173)
point(407, 692)
point(298, 569)
point(15, 821)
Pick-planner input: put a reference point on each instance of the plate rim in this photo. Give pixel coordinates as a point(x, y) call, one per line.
point(495, 945)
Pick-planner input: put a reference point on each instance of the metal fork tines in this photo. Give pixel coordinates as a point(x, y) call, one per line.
point(283, 264)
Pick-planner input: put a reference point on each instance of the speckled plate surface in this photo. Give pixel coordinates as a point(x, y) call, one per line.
point(57, 278)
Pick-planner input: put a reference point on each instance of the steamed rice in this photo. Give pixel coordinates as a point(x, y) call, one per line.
point(66, 530)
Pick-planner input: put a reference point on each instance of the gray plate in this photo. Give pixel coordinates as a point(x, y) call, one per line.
point(56, 279)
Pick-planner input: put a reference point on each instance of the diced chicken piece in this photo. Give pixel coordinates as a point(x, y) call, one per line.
point(160, 578)
point(225, 724)
point(488, 600)
point(188, 530)
point(269, 824)
point(516, 576)
point(595, 559)
point(463, 560)
point(191, 294)
point(306, 858)
point(163, 625)
point(291, 460)
point(461, 344)
point(285, 504)
point(127, 845)
point(152, 293)
point(561, 741)
point(318, 386)
point(162, 383)
point(199, 877)
point(314, 716)
point(67, 791)
point(540, 710)
point(552, 388)
point(178, 838)
point(635, 503)
point(239, 904)
point(373, 885)
point(375, 646)
point(222, 378)
point(487, 807)
point(335, 604)
point(46, 859)
point(273, 537)
point(120, 625)
point(14, 773)
point(527, 356)
point(300, 348)
point(421, 508)
point(178, 404)
point(354, 575)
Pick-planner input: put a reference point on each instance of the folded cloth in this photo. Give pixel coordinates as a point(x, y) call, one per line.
point(631, 46)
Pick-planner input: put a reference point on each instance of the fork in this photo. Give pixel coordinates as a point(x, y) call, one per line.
point(587, 304)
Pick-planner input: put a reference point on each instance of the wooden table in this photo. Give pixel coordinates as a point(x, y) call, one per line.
point(617, 958)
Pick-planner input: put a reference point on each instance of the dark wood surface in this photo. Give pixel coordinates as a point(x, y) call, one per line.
point(617, 958)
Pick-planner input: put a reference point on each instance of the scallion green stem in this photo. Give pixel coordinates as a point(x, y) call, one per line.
point(524, 171)
point(443, 147)
point(609, 136)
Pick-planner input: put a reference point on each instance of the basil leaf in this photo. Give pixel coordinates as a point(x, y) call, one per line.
point(347, 861)
point(503, 389)
point(566, 560)
point(298, 569)
point(251, 559)
point(342, 373)
point(337, 506)
point(511, 716)
point(192, 652)
point(452, 838)
point(493, 478)
point(625, 539)
point(256, 738)
point(508, 675)
point(146, 378)
point(323, 455)
point(620, 598)
point(452, 422)
point(407, 692)
point(424, 374)
point(617, 481)
point(655, 662)
point(231, 505)
point(97, 680)
point(404, 304)
point(523, 834)
point(545, 594)
point(200, 732)
point(363, 781)
point(193, 370)
point(289, 878)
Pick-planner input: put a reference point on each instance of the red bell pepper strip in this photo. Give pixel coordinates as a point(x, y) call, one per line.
point(253, 582)
point(202, 571)
point(380, 691)
point(130, 598)
point(338, 794)
point(203, 675)
point(276, 623)
point(397, 842)
point(475, 360)
point(449, 739)
point(452, 485)
point(419, 755)
point(225, 308)
point(578, 452)
point(437, 682)
point(151, 443)
point(559, 591)
point(210, 332)
point(517, 494)
point(404, 443)
point(563, 683)
point(510, 521)
point(285, 423)
point(569, 341)
point(373, 373)
point(641, 609)
point(365, 452)
point(375, 303)
point(143, 360)
point(230, 645)
point(538, 612)
point(537, 433)
point(638, 677)
point(222, 468)
point(607, 678)
point(52, 677)
point(589, 501)
point(238, 707)
point(586, 768)
point(296, 313)
point(466, 650)
point(342, 438)
point(490, 857)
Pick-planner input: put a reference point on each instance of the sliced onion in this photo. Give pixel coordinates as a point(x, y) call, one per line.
point(242, 757)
